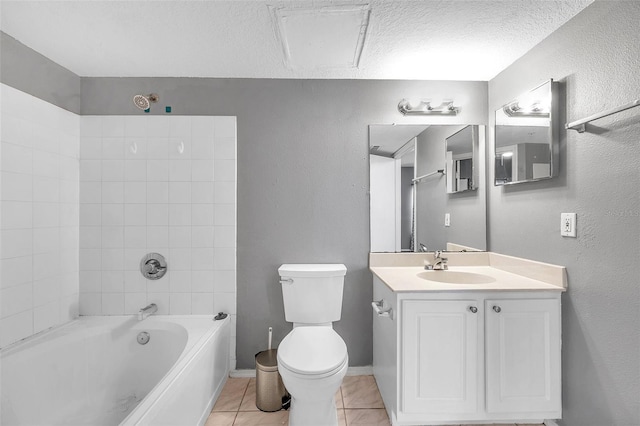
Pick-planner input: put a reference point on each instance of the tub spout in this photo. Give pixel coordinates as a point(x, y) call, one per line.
point(147, 310)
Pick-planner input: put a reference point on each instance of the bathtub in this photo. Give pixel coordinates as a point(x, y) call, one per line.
point(92, 371)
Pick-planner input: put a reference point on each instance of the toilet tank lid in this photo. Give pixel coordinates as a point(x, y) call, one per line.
point(312, 270)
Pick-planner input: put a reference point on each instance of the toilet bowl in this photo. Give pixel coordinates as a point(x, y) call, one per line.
point(312, 362)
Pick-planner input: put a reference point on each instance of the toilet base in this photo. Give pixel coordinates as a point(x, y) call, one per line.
point(313, 413)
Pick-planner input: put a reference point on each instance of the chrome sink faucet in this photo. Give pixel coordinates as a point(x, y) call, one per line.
point(147, 310)
point(439, 263)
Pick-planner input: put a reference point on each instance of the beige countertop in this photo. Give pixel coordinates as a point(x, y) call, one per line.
point(491, 271)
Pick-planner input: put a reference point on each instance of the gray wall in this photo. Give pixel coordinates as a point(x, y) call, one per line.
point(27, 70)
point(596, 56)
point(302, 179)
point(467, 209)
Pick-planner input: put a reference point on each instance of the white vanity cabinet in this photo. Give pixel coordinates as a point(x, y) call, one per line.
point(468, 356)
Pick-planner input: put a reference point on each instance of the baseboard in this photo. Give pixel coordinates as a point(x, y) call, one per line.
point(550, 423)
point(366, 370)
point(242, 373)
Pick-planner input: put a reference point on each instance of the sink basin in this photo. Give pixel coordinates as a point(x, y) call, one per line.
point(456, 277)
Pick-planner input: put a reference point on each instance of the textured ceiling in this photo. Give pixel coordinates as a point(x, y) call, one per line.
point(426, 40)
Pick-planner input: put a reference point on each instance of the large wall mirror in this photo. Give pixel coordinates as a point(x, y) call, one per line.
point(427, 187)
point(526, 142)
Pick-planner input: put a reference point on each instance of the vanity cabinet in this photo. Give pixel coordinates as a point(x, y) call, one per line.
point(464, 356)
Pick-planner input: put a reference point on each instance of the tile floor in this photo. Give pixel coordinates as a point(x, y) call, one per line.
point(358, 400)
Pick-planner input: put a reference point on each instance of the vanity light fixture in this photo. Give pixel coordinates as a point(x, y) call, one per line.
point(424, 107)
point(535, 108)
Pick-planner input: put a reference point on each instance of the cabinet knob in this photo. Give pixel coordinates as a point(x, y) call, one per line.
point(473, 309)
point(497, 309)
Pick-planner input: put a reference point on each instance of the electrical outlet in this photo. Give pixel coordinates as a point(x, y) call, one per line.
point(568, 224)
point(447, 219)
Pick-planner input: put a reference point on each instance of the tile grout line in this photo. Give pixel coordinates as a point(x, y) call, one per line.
point(344, 408)
point(246, 389)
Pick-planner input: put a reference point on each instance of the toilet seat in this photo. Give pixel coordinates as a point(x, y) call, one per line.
point(314, 352)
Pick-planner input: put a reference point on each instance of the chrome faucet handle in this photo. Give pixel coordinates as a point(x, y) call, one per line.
point(153, 266)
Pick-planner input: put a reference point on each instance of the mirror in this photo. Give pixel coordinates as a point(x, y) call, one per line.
point(420, 174)
point(525, 139)
point(461, 148)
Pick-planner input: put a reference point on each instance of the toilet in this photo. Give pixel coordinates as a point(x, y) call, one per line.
point(312, 358)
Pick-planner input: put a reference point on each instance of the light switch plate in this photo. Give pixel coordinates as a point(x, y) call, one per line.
point(568, 224)
point(447, 219)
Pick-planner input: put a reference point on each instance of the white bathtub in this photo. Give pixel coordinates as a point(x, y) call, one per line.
point(92, 371)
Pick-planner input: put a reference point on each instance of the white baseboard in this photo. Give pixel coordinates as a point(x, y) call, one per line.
point(366, 370)
point(242, 373)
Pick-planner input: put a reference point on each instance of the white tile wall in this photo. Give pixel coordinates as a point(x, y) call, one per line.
point(165, 184)
point(39, 215)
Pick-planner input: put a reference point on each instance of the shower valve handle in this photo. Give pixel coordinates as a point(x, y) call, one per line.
point(152, 266)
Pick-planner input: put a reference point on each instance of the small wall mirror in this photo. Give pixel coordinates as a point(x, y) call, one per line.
point(411, 195)
point(461, 171)
point(526, 140)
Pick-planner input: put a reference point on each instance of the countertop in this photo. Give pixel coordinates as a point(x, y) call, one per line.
point(497, 273)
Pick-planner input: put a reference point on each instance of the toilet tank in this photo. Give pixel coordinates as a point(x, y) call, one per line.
point(312, 293)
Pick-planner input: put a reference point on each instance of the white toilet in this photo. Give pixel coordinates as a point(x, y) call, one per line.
point(312, 358)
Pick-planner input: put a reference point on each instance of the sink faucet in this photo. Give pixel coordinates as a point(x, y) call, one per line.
point(146, 311)
point(439, 263)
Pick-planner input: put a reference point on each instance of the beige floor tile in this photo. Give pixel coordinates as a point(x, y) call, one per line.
point(231, 395)
point(368, 417)
point(339, 403)
point(259, 418)
point(221, 418)
point(342, 419)
point(249, 400)
point(361, 392)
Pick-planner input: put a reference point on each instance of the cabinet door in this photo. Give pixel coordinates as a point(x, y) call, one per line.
point(523, 355)
point(439, 356)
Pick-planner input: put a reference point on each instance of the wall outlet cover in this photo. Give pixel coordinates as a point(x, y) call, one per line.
point(568, 224)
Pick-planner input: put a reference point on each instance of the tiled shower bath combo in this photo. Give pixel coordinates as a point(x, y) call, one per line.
point(84, 200)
